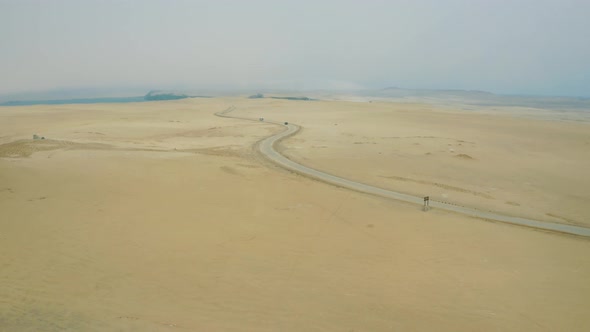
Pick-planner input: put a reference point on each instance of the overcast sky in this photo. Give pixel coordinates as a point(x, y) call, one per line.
point(505, 46)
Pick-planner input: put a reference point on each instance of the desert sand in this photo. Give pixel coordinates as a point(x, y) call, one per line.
point(161, 216)
point(513, 165)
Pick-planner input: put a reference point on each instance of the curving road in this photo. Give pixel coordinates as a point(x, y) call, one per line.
point(266, 147)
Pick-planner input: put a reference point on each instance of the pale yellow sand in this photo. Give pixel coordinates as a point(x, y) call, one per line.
point(105, 226)
point(518, 166)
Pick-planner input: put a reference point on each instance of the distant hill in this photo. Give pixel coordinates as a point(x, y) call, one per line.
point(162, 95)
point(83, 94)
point(73, 101)
point(400, 92)
point(293, 98)
point(154, 95)
point(168, 95)
point(477, 98)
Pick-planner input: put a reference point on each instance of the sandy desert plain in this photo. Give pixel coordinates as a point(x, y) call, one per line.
point(160, 216)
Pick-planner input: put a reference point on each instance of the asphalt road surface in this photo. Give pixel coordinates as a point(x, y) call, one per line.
point(266, 147)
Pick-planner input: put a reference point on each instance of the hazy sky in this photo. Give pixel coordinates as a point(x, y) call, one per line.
point(504, 46)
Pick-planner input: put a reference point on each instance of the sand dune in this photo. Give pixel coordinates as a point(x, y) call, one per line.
point(161, 216)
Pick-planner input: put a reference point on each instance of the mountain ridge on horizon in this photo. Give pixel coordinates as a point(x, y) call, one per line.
point(387, 92)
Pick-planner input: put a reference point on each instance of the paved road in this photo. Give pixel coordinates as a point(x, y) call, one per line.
point(266, 147)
